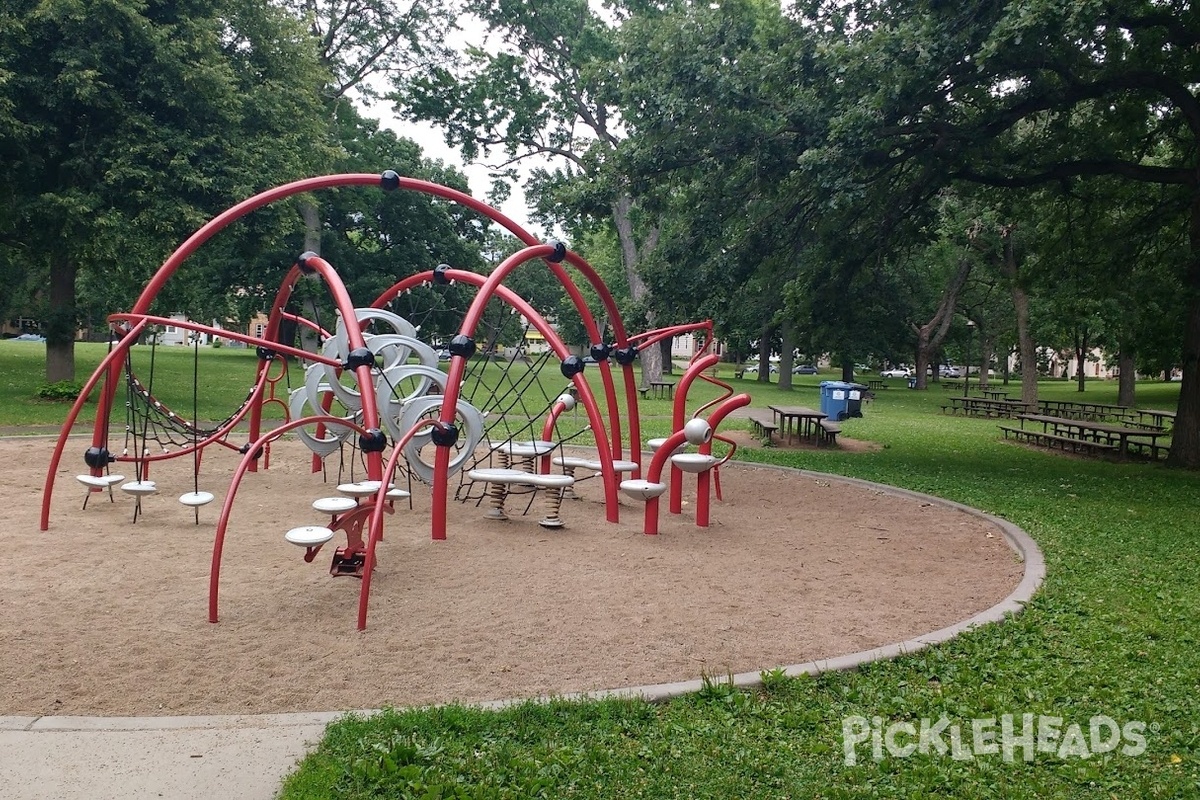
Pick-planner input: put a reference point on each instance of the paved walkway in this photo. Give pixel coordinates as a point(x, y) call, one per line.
point(129, 758)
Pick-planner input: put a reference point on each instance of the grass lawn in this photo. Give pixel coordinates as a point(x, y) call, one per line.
point(1112, 633)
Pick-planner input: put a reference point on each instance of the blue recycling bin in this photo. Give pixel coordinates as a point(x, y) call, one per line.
point(835, 399)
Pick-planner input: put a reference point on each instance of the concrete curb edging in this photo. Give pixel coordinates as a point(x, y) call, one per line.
point(1014, 603)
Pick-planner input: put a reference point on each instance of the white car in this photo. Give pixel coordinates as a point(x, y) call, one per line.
point(894, 372)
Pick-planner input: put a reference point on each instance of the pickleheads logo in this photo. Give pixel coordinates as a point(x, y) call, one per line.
point(1009, 736)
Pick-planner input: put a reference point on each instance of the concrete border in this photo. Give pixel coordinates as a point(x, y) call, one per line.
point(1020, 542)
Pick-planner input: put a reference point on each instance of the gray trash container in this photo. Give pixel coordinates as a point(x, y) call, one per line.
point(835, 399)
point(854, 399)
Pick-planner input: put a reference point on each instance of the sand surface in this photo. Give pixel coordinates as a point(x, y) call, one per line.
point(102, 616)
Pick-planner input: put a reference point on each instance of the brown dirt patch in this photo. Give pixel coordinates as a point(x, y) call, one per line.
point(100, 616)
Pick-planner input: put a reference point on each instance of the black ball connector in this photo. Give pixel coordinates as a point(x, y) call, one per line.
point(444, 434)
point(265, 353)
point(462, 345)
point(302, 262)
point(389, 181)
point(601, 352)
point(98, 457)
point(626, 355)
point(246, 449)
point(571, 366)
point(439, 275)
point(560, 251)
point(359, 357)
point(372, 441)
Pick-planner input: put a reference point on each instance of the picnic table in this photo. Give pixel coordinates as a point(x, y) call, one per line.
point(1094, 436)
point(1097, 412)
point(1156, 417)
point(798, 421)
point(994, 394)
point(662, 390)
point(876, 383)
point(985, 407)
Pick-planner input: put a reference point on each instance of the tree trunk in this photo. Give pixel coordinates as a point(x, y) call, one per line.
point(310, 212)
point(922, 357)
point(1081, 351)
point(1126, 379)
point(787, 332)
point(668, 366)
point(1011, 272)
point(764, 355)
point(59, 327)
point(639, 293)
point(1185, 437)
point(931, 335)
point(985, 358)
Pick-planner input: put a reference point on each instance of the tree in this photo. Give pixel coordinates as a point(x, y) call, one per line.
point(1020, 94)
point(127, 124)
point(547, 89)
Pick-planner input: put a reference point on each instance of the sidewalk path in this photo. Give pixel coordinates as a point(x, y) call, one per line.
point(130, 758)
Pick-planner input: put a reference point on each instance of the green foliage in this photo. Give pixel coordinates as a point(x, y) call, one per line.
point(126, 125)
point(62, 390)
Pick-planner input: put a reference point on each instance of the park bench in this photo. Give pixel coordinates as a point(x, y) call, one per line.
point(829, 432)
point(764, 424)
point(1064, 443)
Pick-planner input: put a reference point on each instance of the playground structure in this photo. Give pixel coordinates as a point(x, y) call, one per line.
point(374, 386)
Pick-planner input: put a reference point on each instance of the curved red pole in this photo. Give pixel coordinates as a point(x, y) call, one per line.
point(556, 411)
point(702, 499)
point(113, 357)
point(240, 337)
point(678, 412)
point(654, 475)
point(375, 531)
point(252, 451)
point(650, 523)
point(282, 295)
point(490, 287)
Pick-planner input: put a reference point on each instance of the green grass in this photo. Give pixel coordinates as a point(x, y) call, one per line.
point(1112, 632)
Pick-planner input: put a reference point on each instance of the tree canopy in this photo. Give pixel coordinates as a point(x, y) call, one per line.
point(127, 124)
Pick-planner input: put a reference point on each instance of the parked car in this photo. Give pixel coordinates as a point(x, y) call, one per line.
point(443, 355)
point(804, 369)
point(29, 337)
point(947, 371)
point(894, 372)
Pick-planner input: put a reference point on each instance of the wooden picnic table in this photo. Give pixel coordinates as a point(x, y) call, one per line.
point(663, 390)
point(797, 421)
point(994, 394)
point(1101, 432)
point(1096, 412)
point(875, 384)
point(986, 407)
point(1156, 417)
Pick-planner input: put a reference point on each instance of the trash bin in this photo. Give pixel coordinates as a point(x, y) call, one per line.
point(912, 382)
point(835, 399)
point(854, 399)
